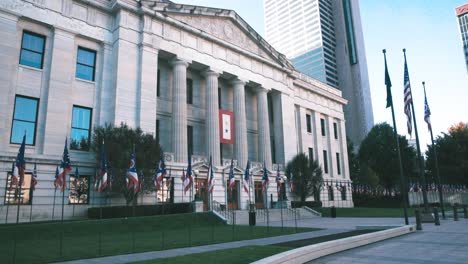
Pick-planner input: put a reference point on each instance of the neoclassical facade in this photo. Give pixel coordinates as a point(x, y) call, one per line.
point(71, 65)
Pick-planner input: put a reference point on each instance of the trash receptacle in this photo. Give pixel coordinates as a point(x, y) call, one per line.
point(333, 212)
point(252, 220)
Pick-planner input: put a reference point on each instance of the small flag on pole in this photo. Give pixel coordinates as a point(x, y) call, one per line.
point(103, 172)
point(232, 179)
point(132, 175)
point(388, 83)
point(65, 167)
point(20, 162)
point(34, 178)
point(427, 110)
point(265, 179)
point(408, 98)
point(188, 176)
point(160, 174)
point(211, 180)
point(246, 180)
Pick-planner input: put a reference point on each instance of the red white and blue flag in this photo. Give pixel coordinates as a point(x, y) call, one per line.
point(141, 181)
point(427, 112)
point(211, 179)
point(408, 99)
point(132, 175)
point(232, 179)
point(103, 173)
point(65, 168)
point(160, 174)
point(34, 178)
point(188, 181)
point(265, 179)
point(246, 180)
point(20, 162)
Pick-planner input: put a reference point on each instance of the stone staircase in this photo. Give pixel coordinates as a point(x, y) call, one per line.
point(241, 217)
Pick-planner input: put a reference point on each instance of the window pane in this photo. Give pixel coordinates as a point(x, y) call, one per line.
point(81, 117)
point(84, 72)
point(18, 131)
point(30, 58)
point(33, 42)
point(86, 57)
point(25, 109)
point(14, 196)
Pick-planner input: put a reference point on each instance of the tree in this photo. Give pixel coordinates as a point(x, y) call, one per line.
point(378, 152)
point(307, 177)
point(119, 142)
point(452, 152)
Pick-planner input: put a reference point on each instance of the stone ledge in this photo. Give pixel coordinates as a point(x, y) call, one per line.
point(308, 253)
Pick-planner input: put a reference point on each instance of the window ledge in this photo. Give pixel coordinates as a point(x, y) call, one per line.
point(85, 81)
point(21, 66)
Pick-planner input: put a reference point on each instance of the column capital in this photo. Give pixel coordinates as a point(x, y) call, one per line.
point(178, 61)
point(238, 81)
point(211, 72)
point(260, 89)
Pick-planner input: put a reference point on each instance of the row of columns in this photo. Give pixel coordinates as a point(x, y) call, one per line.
point(179, 120)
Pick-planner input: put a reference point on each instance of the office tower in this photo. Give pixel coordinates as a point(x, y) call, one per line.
point(462, 15)
point(324, 40)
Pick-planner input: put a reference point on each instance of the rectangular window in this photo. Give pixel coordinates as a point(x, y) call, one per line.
point(32, 50)
point(81, 128)
point(13, 195)
point(190, 140)
point(322, 125)
point(338, 167)
point(158, 92)
point(79, 190)
point(85, 64)
point(24, 120)
point(335, 130)
point(350, 31)
point(325, 161)
point(189, 91)
point(309, 124)
point(311, 153)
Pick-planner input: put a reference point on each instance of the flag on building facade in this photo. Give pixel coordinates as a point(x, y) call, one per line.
point(427, 112)
point(132, 175)
point(265, 179)
point(278, 181)
point(226, 127)
point(232, 179)
point(408, 98)
point(188, 181)
point(103, 172)
point(211, 179)
point(20, 162)
point(246, 180)
point(388, 83)
point(65, 168)
point(34, 178)
point(160, 174)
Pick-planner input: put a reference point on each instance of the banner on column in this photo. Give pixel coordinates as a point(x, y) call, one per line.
point(226, 126)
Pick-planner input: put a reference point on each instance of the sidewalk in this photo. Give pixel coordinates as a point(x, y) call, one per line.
point(447, 243)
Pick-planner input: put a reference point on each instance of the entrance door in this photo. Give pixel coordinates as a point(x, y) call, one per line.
point(258, 195)
point(201, 192)
point(233, 196)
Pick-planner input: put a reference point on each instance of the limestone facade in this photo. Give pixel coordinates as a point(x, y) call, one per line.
point(134, 46)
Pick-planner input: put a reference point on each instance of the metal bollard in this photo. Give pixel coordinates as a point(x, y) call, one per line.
point(455, 213)
point(465, 213)
point(436, 217)
point(417, 214)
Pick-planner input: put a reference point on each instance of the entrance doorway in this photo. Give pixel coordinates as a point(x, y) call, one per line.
point(201, 192)
point(233, 197)
point(258, 195)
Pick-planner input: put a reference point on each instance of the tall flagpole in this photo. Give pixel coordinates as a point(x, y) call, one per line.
point(403, 185)
point(420, 158)
point(436, 161)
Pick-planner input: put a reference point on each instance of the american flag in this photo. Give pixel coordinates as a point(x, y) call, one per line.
point(34, 178)
point(103, 172)
point(65, 167)
point(132, 175)
point(408, 99)
point(20, 162)
point(278, 181)
point(141, 182)
point(188, 181)
point(246, 180)
point(14, 176)
point(265, 179)
point(159, 175)
point(427, 111)
point(211, 179)
point(291, 183)
point(232, 179)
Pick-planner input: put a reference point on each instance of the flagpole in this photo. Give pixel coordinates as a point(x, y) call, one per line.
point(53, 207)
point(436, 162)
point(420, 159)
point(8, 204)
point(19, 198)
point(404, 193)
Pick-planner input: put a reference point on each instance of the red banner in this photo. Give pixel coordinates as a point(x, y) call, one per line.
point(226, 126)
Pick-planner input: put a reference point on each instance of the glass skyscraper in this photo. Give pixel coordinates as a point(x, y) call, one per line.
point(462, 14)
point(323, 39)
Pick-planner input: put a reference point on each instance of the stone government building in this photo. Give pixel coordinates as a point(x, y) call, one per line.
point(69, 65)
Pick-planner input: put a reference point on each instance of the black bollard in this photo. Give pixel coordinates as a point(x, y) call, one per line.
point(417, 213)
point(455, 212)
point(436, 216)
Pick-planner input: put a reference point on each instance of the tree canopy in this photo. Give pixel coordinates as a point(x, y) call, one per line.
point(307, 177)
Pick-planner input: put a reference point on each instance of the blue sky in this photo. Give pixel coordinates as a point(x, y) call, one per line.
point(428, 30)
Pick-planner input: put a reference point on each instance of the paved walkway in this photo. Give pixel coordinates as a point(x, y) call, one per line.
point(445, 244)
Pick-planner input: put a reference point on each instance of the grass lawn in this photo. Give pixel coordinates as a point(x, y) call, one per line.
point(40, 242)
point(249, 254)
point(366, 212)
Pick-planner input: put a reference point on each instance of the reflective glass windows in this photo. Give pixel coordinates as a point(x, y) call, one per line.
point(85, 64)
point(24, 120)
point(32, 50)
point(81, 128)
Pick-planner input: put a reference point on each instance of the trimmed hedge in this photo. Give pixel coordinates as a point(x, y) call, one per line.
point(310, 204)
point(139, 210)
point(374, 201)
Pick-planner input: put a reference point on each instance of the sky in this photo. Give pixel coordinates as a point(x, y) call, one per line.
point(430, 33)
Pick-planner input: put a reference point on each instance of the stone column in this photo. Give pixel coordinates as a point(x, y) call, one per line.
point(148, 82)
point(212, 116)
point(240, 124)
point(179, 110)
point(264, 148)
